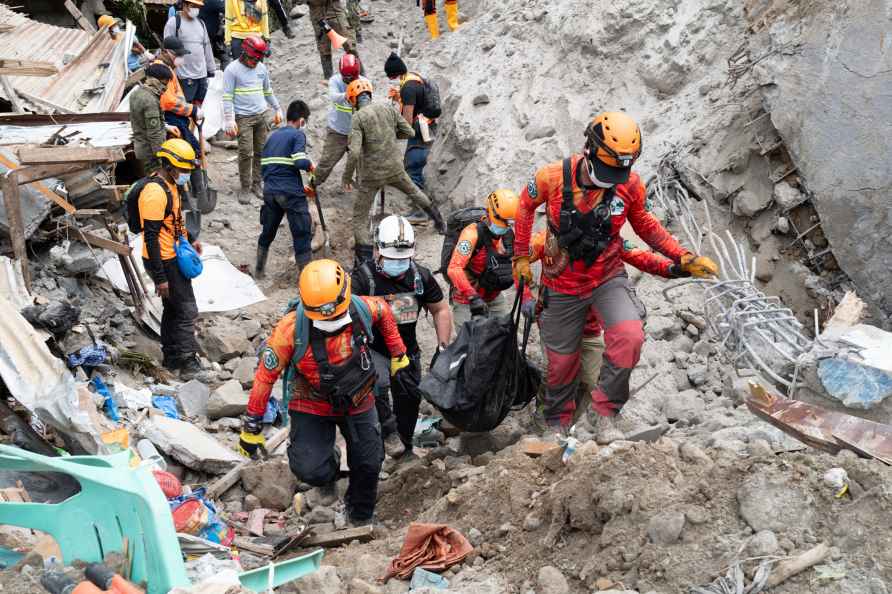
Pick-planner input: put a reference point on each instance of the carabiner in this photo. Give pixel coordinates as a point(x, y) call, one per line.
point(364, 360)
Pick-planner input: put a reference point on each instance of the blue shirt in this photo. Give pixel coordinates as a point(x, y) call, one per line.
point(284, 156)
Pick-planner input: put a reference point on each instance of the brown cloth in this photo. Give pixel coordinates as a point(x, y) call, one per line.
point(434, 547)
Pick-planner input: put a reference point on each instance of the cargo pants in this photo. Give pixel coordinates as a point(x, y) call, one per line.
point(333, 13)
point(366, 194)
point(561, 327)
point(461, 312)
point(252, 133)
point(333, 151)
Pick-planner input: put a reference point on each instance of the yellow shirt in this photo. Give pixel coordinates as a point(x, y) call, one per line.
point(239, 25)
point(152, 204)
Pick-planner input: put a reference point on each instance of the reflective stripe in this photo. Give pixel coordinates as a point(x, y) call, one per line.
point(248, 90)
point(343, 108)
point(276, 161)
point(297, 156)
point(227, 96)
point(267, 92)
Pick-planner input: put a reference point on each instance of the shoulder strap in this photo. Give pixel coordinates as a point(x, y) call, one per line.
point(359, 306)
point(367, 268)
point(179, 19)
point(418, 281)
point(567, 190)
point(301, 331)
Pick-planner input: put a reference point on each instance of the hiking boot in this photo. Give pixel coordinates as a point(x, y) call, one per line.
point(327, 494)
point(418, 217)
point(327, 68)
point(606, 430)
point(244, 196)
point(358, 523)
point(288, 31)
point(257, 189)
point(190, 368)
point(260, 264)
point(393, 445)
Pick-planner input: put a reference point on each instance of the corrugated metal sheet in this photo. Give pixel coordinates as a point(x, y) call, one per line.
point(92, 67)
point(98, 134)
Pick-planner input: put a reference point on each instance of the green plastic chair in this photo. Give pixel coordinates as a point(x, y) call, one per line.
point(115, 501)
point(276, 574)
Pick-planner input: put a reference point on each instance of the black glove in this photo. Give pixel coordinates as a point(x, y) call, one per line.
point(478, 306)
point(251, 440)
point(675, 271)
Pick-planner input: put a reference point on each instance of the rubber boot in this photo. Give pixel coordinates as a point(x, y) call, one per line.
point(451, 16)
point(260, 265)
point(432, 25)
point(362, 253)
point(327, 69)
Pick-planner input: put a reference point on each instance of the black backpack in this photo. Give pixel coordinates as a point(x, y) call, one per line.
point(455, 224)
point(430, 106)
point(131, 201)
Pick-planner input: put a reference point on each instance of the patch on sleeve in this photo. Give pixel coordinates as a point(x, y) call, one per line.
point(617, 206)
point(270, 359)
point(532, 189)
point(464, 247)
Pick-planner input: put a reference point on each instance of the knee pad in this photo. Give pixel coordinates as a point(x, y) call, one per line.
point(562, 367)
point(623, 343)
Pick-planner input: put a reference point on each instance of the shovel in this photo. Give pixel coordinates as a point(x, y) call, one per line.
point(205, 195)
point(326, 246)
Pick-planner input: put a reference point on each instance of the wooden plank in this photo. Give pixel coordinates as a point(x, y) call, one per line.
point(247, 544)
point(34, 173)
point(255, 521)
point(11, 95)
point(68, 154)
point(27, 68)
point(65, 205)
point(12, 201)
point(339, 537)
point(136, 77)
point(225, 482)
point(79, 17)
point(106, 244)
point(40, 119)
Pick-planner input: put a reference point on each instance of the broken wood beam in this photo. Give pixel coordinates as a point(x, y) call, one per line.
point(40, 119)
point(11, 95)
point(790, 567)
point(247, 544)
point(33, 173)
point(69, 154)
point(226, 482)
point(79, 17)
point(339, 537)
point(27, 68)
point(12, 202)
point(106, 244)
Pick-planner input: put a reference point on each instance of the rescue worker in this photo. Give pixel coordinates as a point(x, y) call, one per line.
point(177, 111)
point(324, 344)
point(373, 148)
point(146, 120)
point(244, 19)
point(410, 96)
point(247, 94)
point(284, 157)
point(480, 266)
point(162, 220)
point(430, 16)
point(213, 15)
point(340, 116)
point(198, 64)
point(588, 198)
point(408, 287)
point(356, 16)
point(332, 13)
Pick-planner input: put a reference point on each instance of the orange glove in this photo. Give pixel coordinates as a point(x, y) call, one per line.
point(277, 117)
point(698, 266)
point(310, 191)
point(394, 94)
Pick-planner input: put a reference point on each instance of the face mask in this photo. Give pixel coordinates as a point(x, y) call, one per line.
point(333, 325)
point(394, 268)
point(183, 179)
point(595, 180)
point(178, 61)
point(192, 12)
point(496, 230)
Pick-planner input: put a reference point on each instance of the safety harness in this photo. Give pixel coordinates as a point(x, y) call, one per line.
point(496, 275)
point(404, 305)
point(583, 235)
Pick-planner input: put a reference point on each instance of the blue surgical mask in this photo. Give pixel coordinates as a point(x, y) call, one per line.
point(394, 268)
point(183, 179)
point(497, 230)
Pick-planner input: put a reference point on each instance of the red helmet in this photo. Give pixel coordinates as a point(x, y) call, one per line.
point(255, 47)
point(349, 66)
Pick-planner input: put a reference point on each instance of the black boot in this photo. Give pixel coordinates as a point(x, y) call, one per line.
point(439, 224)
point(327, 69)
point(362, 253)
point(260, 265)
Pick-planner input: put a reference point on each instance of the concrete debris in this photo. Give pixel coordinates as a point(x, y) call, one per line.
point(748, 203)
point(271, 482)
point(72, 259)
point(666, 528)
point(772, 504)
point(224, 342)
point(685, 406)
point(552, 581)
point(188, 444)
point(229, 400)
point(787, 197)
point(244, 371)
point(193, 398)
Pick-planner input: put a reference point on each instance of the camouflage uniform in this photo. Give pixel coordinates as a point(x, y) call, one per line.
point(353, 18)
point(147, 123)
point(333, 12)
point(374, 149)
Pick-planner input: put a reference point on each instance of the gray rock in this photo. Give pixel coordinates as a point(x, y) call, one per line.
point(532, 521)
point(661, 327)
point(552, 581)
point(775, 503)
point(229, 400)
point(683, 344)
point(271, 482)
point(748, 203)
point(666, 528)
point(193, 398)
point(704, 348)
point(692, 330)
point(788, 197)
point(692, 318)
point(244, 371)
point(251, 328)
point(252, 502)
point(698, 374)
point(482, 99)
point(782, 225)
point(320, 515)
point(299, 11)
point(683, 406)
point(475, 537)
point(224, 342)
point(692, 453)
point(681, 379)
point(762, 543)
point(537, 132)
point(188, 444)
point(324, 580)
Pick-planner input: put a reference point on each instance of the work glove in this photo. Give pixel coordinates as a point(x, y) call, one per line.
point(521, 268)
point(198, 114)
point(698, 266)
point(277, 117)
point(230, 128)
point(397, 364)
point(251, 439)
point(478, 306)
point(528, 309)
point(675, 271)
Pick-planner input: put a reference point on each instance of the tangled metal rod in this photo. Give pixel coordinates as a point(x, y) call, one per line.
point(756, 329)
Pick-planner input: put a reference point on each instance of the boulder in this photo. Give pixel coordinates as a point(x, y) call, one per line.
point(244, 371)
point(775, 503)
point(748, 203)
point(193, 398)
point(787, 197)
point(666, 528)
point(683, 406)
point(188, 444)
point(224, 342)
point(271, 482)
point(552, 581)
point(229, 400)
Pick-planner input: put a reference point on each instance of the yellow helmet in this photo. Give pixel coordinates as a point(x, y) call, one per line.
point(106, 20)
point(612, 145)
point(324, 289)
point(178, 153)
point(501, 207)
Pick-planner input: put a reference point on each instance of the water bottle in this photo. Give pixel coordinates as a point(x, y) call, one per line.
point(147, 451)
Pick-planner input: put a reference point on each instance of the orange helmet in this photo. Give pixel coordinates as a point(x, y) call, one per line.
point(612, 145)
point(106, 20)
point(324, 290)
point(501, 207)
point(357, 88)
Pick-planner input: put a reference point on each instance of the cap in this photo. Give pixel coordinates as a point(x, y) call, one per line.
point(394, 66)
point(174, 45)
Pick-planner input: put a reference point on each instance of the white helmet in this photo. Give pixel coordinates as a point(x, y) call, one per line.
point(395, 238)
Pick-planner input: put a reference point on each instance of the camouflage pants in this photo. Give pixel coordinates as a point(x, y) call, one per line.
point(366, 194)
point(353, 16)
point(335, 16)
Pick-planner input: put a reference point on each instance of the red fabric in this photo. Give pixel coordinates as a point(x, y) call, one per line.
point(601, 404)
point(648, 261)
point(466, 256)
point(577, 278)
point(280, 348)
point(434, 547)
point(562, 367)
point(623, 343)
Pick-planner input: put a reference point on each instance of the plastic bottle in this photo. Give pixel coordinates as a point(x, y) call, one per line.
point(147, 451)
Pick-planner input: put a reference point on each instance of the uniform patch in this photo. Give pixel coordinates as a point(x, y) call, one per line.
point(464, 247)
point(532, 189)
point(617, 206)
point(270, 359)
